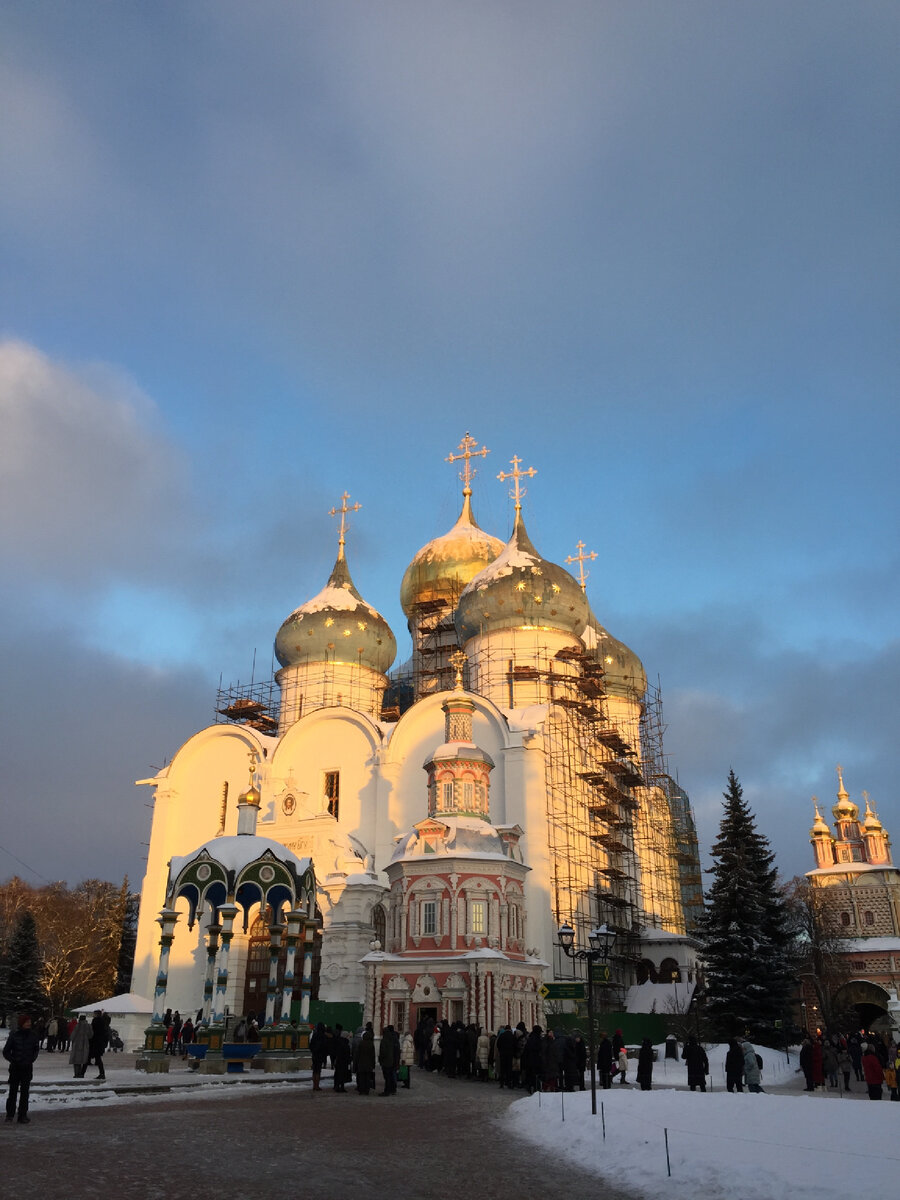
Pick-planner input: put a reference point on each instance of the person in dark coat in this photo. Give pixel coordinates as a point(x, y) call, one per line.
point(734, 1066)
point(549, 1063)
point(389, 1060)
point(872, 1072)
point(697, 1064)
point(617, 1042)
point(855, 1052)
point(605, 1060)
point(342, 1059)
point(531, 1060)
point(806, 1064)
point(318, 1049)
point(99, 1041)
point(818, 1064)
point(645, 1065)
point(20, 1050)
point(581, 1053)
point(365, 1062)
point(505, 1049)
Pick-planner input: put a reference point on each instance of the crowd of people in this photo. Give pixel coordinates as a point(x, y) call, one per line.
point(828, 1061)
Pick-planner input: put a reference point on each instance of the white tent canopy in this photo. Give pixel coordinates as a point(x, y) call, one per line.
point(129, 1015)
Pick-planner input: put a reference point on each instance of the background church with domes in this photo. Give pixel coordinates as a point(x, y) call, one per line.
point(456, 812)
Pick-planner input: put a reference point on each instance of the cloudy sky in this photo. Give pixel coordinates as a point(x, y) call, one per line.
point(257, 254)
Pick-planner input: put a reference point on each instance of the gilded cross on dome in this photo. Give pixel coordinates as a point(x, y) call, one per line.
point(343, 510)
point(581, 558)
point(516, 475)
point(468, 473)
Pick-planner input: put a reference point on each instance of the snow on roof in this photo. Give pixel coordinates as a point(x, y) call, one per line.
point(333, 597)
point(127, 1002)
point(530, 717)
point(869, 945)
point(853, 868)
point(659, 997)
point(237, 851)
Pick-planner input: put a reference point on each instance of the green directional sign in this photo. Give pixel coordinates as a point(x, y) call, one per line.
point(600, 972)
point(563, 991)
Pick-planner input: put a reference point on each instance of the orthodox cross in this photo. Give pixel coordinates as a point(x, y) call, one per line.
point(254, 759)
point(840, 771)
point(581, 558)
point(458, 659)
point(343, 510)
point(467, 474)
point(515, 474)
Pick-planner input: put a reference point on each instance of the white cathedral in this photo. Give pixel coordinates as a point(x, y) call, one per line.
point(507, 780)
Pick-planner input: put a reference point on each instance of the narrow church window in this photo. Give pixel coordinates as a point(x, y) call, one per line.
point(378, 923)
point(477, 917)
point(447, 790)
point(333, 792)
point(429, 918)
point(468, 794)
point(845, 918)
point(869, 918)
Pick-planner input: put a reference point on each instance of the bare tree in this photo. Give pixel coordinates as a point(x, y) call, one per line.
point(822, 953)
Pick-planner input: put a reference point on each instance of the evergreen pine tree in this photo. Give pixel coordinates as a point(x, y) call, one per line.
point(24, 964)
point(745, 930)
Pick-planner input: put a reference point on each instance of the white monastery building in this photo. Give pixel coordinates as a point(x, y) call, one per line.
point(455, 812)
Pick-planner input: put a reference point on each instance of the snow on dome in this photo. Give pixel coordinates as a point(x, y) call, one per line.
point(336, 625)
point(623, 671)
point(521, 589)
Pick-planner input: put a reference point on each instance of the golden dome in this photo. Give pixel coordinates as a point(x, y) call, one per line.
point(871, 822)
point(845, 809)
point(444, 566)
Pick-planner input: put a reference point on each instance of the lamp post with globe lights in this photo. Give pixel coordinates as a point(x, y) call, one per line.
point(601, 941)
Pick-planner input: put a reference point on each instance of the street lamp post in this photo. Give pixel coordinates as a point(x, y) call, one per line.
point(601, 940)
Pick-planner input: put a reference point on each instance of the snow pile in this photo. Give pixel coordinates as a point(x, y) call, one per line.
point(746, 1146)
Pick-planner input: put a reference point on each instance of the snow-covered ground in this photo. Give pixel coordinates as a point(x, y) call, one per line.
point(783, 1143)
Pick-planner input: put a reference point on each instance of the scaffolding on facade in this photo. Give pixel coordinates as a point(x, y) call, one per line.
point(253, 704)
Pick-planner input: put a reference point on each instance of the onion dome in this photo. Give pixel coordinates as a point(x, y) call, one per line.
point(443, 567)
point(845, 809)
point(870, 821)
point(623, 671)
point(337, 625)
point(521, 590)
point(819, 826)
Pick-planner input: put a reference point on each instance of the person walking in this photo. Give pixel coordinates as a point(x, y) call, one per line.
point(872, 1072)
point(830, 1064)
point(697, 1064)
point(622, 1064)
point(389, 1060)
point(549, 1063)
point(318, 1051)
point(407, 1058)
point(845, 1065)
point(531, 1060)
point(505, 1048)
point(20, 1050)
point(483, 1054)
point(855, 1051)
point(80, 1047)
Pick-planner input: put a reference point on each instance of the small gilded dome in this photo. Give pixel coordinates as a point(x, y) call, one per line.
point(444, 566)
point(820, 826)
point(623, 671)
point(870, 821)
point(519, 589)
point(336, 626)
point(845, 809)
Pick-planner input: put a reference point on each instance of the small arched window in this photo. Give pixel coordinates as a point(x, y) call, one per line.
point(378, 922)
point(845, 918)
point(869, 918)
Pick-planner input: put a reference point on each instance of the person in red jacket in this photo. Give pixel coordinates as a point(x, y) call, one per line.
point(872, 1072)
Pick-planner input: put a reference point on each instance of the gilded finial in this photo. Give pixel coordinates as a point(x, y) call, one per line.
point(468, 473)
point(581, 558)
point(343, 510)
point(458, 659)
point(517, 491)
point(842, 791)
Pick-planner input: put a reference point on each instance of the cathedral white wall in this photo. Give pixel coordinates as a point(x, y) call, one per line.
point(186, 813)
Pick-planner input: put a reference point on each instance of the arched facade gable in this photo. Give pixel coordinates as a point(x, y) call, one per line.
point(310, 726)
point(214, 736)
point(424, 722)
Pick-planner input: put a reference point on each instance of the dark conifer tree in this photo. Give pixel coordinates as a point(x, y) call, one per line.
point(24, 964)
point(745, 930)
